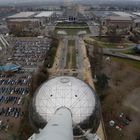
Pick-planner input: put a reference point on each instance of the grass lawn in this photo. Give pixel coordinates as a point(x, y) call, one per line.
point(104, 42)
point(71, 24)
point(71, 55)
point(132, 63)
point(68, 58)
point(72, 31)
point(107, 45)
point(72, 28)
point(130, 51)
point(71, 42)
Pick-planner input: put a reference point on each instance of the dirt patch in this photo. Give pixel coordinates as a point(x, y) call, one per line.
point(123, 95)
point(132, 100)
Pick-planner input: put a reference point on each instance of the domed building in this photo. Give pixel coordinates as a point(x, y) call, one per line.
point(71, 93)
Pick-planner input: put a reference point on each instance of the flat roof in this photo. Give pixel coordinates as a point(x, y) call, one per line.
point(137, 21)
point(20, 20)
point(10, 67)
point(136, 13)
point(103, 13)
point(119, 18)
point(112, 13)
point(23, 15)
point(45, 14)
point(124, 14)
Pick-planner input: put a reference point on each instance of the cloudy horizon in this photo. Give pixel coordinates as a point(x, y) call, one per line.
point(14, 2)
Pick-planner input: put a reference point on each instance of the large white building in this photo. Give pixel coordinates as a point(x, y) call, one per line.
point(28, 21)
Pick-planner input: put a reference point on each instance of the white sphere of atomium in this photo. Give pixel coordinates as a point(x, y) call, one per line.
point(65, 91)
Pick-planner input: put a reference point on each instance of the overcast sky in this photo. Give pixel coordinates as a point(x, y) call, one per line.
point(21, 1)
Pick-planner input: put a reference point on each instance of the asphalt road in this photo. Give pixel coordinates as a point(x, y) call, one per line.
point(79, 57)
point(123, 49)
point(121, 55)
point(63, 57)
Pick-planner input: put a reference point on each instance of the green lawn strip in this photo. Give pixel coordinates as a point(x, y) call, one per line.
point(101, 43)
point(73, 56)
point(105, 39)
point(72, 31)
point(108, 45)
point(74, 60)
point(70, 42)
point(133, 63)
point(72, 27)
point(130, 51)
point(71, 24)
point(68, 58)
point(104, 42)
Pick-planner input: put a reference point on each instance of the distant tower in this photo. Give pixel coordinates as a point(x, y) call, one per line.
point(65, 108)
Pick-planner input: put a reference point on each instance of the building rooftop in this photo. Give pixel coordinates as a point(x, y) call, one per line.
point(45, 14)
point(103, 13)
point(23, 15)
point(123, 14)
point(10, 67)
point(21, 20)
point(122, 18)
point(137, 21)
point(136, 13)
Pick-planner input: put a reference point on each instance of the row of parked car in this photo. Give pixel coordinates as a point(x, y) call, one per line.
point(3, 125)
point(13, 81)
point(14, 90)
point(11, 111)
point(11, 99)
point(29, 53)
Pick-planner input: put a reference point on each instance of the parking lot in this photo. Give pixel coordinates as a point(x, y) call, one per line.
point(29, 53)
point(14, 90)
point(14, 87)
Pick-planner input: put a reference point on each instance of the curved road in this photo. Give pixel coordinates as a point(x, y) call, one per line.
point(123, 49)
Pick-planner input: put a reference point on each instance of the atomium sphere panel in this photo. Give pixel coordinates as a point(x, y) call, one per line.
point(67, 92)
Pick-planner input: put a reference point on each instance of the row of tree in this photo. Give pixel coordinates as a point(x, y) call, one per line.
point(96, 61)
